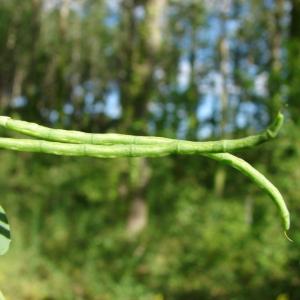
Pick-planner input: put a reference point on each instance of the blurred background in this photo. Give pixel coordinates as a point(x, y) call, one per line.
point(177, 227)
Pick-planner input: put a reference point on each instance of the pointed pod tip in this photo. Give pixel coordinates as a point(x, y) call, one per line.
point(276, 125)
point(280, 118)
point(287, 237)
point(278, 121)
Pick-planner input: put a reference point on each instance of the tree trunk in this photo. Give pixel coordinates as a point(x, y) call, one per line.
point(141, 43)
point(223, 51)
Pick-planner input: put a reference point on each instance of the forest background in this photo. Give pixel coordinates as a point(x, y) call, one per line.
point(177, 227)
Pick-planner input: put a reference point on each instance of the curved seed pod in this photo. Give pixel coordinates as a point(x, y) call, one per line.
point(4, 233)
point(259, 179)
point(184, 147)
point(100, 151)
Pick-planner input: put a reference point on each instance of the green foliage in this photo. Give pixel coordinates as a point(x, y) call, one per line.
point(196, 245)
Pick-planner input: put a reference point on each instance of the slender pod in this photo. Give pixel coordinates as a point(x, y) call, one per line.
point(258, 178)
point(183, 147)
point(100, 151)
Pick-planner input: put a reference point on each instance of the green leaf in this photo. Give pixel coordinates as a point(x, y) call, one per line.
point(4, 233)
